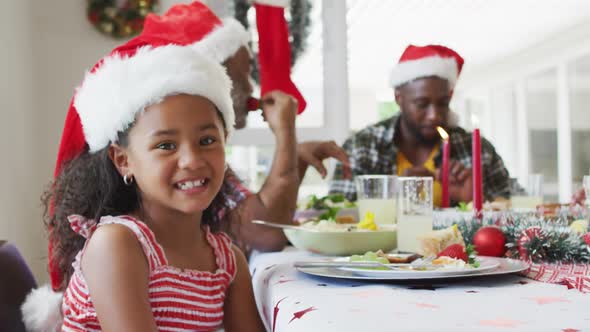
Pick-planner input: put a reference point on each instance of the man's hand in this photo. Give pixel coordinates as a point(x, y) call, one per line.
point(279, 110)
point(314, 152)
point(418, 171)
point(579, 197)
point(460, 181)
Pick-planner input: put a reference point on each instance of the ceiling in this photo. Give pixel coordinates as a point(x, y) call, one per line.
point(482, 31)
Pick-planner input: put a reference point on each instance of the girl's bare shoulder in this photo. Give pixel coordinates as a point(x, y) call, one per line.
point(113, 244)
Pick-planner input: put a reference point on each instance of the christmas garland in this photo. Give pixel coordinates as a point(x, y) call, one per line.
point(299, 26)
point(119, 20)
point(536, 239)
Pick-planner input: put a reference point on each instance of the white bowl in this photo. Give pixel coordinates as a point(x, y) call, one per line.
point(343, 243)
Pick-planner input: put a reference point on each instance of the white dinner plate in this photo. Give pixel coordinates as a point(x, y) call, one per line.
point(485, 265)
point(489, 266)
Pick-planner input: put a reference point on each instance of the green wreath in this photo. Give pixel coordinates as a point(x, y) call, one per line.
point(299, 26)
point(119, 20)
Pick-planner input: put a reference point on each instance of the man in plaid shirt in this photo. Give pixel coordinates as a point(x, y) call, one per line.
point(408, 144)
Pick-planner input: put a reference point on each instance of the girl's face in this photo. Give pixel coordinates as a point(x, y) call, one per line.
point(175, 154)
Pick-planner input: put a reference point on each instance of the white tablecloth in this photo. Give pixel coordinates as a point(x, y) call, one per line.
point(289, 300)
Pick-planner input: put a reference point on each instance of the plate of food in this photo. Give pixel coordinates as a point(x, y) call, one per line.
point(502, 266)
point(423, 268)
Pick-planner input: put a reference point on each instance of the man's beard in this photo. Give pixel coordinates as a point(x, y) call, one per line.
point(415, 130)
point(240, 102)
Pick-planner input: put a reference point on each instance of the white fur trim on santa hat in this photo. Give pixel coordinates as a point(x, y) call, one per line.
point(110, 98)
point(274, 3)
point(42, 310)
point(407, 71)
point(224, 41)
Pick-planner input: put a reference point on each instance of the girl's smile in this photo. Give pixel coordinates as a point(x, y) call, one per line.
point(192, 186)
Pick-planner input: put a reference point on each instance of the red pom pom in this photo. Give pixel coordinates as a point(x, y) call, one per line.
point(586, 238)
point(253, 104)
point(489, 241)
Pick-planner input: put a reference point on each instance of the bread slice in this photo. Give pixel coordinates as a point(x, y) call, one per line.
point(435, 241)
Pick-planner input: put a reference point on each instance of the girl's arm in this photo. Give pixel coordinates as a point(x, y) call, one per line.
point(117, 273)
point(240, 313)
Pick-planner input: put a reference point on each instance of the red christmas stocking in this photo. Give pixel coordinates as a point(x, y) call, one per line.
point(274, 52)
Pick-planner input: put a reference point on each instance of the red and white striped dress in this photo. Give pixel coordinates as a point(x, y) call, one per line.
point(181, 300)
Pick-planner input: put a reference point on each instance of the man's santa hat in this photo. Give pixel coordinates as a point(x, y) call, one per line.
point(426, 61)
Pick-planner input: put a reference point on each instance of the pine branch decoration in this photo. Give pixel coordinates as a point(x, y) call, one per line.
point(550, 240)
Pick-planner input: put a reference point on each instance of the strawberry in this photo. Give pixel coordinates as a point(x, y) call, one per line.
point(586, 238)
point(454, 251)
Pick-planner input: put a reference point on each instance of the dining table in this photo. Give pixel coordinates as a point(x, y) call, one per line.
point(291, 300)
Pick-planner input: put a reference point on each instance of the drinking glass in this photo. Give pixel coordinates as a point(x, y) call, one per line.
point(377, 194)
point(586, 184)
point(533, 193)
point(414, 217)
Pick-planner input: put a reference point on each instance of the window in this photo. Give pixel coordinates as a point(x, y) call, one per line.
point(578, 76)
point(541, 105)
point(250, 151)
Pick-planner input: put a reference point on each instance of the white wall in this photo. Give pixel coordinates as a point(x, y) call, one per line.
point(47, 47)
point(65, 45)
point(19, 196)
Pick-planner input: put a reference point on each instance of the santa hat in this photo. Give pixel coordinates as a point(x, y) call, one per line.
point(192, 25)
point(274, 50)
point(125, 83)
point(424, 61)
point(196, 25)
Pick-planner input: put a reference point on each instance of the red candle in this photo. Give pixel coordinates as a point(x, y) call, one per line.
point(477, 175)
point(446, 199)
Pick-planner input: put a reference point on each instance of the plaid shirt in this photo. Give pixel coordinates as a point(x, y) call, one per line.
point(372, 151)
point(234, 192)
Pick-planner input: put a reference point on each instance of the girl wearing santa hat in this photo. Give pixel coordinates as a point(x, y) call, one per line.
point(131, 216)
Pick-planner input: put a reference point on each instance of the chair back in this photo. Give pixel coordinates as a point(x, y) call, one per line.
point(16, 281)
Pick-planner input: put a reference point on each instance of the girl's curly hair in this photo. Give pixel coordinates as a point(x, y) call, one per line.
point(90, 185)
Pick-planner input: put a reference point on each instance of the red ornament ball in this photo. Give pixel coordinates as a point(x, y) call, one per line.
point(489, 241)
